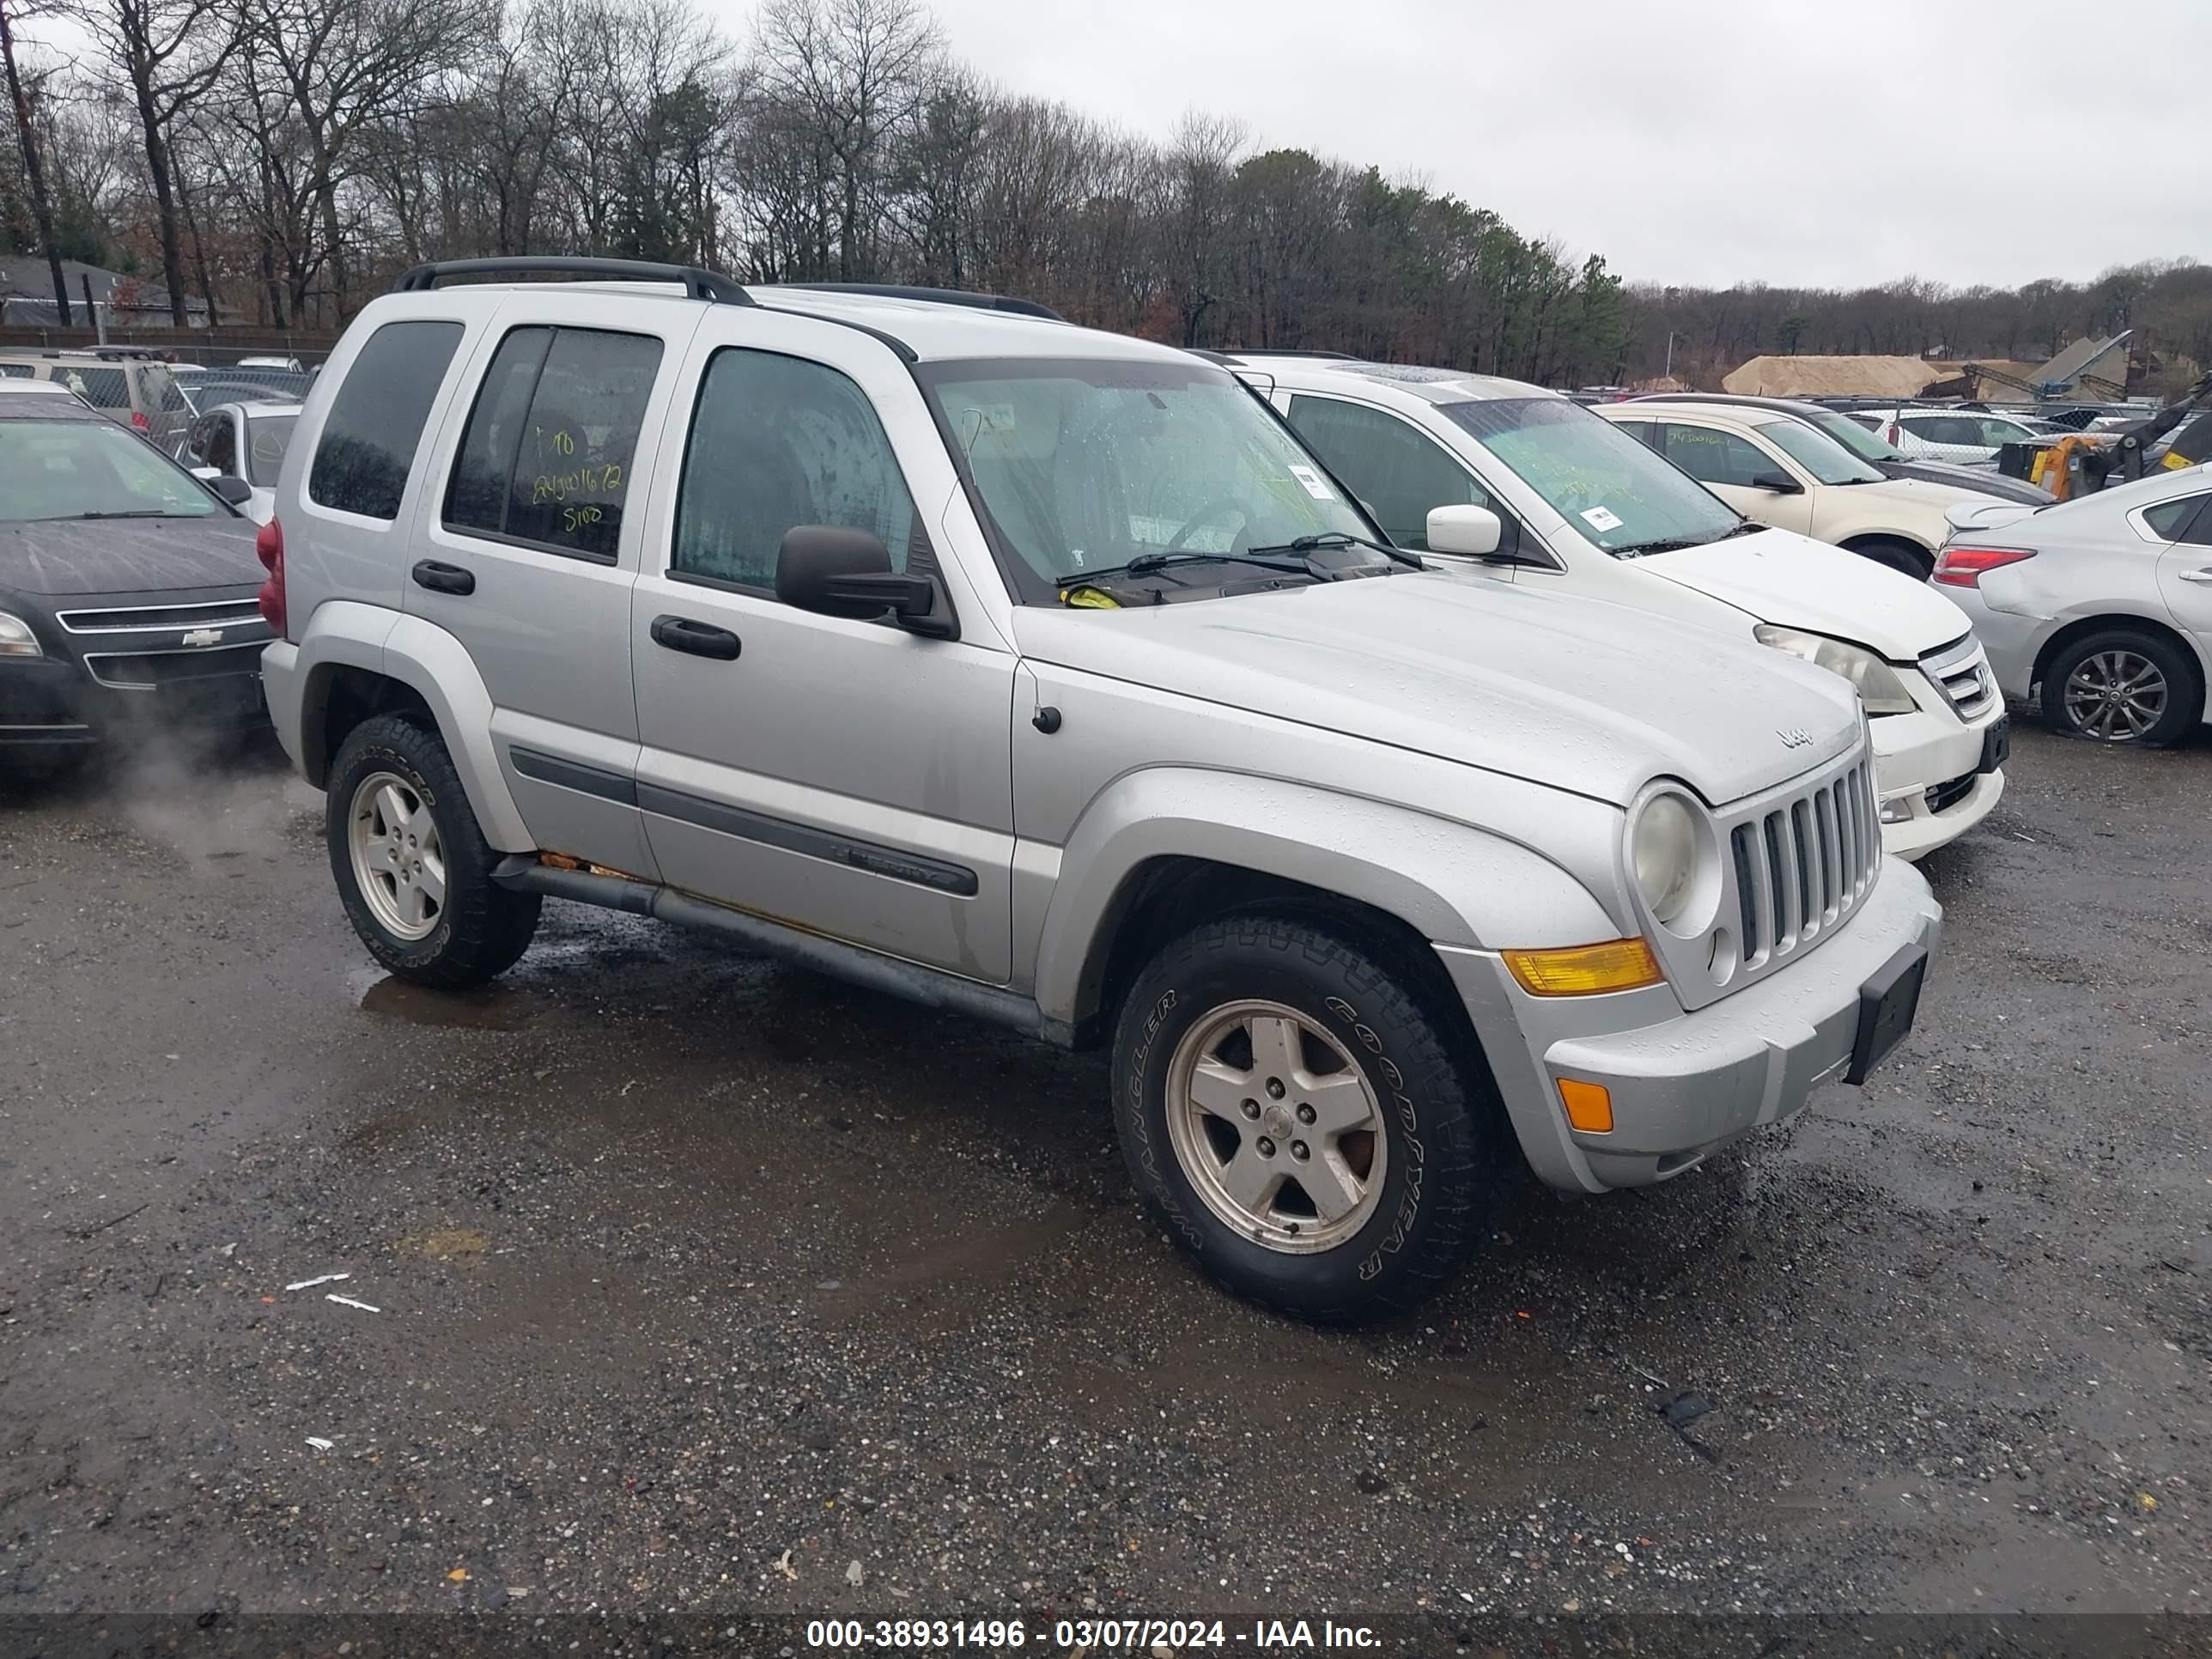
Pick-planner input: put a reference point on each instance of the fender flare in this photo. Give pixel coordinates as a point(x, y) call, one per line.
point(1452, 884)
point(436, 667)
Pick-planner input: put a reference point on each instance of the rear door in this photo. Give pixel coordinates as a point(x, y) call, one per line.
point(846, 776)
point(529, 546)
point(2184, 568)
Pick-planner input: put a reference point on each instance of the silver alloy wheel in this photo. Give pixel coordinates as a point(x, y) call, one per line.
point(1277, 1128)
point(2115, 696)
point(398, 862)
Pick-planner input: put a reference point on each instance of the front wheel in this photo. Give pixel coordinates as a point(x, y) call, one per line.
point(1303, 1124)
point(413, 869)
point(2123, 686)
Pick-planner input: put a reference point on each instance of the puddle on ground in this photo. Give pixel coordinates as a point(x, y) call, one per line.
point(487, 1008)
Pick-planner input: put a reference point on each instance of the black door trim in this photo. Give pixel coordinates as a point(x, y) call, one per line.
point(573, 775)
point(803, 839)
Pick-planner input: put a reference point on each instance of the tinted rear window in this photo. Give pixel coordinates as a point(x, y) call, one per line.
point(546, 458)
point(375, 423)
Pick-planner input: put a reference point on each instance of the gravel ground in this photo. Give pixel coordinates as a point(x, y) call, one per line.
point(703, 1284)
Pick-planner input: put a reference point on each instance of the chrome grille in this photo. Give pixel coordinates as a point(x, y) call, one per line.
point(1960, 670)
point(163, 618)
point(1801, 865)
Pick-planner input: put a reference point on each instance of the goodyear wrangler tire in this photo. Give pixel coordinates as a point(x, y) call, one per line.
point(1321, 1142)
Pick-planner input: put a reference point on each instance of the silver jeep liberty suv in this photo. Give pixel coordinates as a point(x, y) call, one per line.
point(1041, 675)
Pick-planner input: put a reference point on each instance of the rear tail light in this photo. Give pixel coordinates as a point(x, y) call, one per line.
point(138, 420)
point(1963, 567)
point(269, 548)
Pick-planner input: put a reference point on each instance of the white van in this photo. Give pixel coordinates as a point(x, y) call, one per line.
point(1525, 485)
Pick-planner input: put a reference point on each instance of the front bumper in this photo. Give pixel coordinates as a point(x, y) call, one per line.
point(49, 704)
point(1932, 750)
point(42, 706)
point(1683, 1084)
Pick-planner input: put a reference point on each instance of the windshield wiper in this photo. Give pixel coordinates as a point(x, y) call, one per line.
point(1674, 545)
point(1145, 563)
point(1330, 538)
point(130, 512)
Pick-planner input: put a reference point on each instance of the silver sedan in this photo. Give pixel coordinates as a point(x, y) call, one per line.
point(2101, 606)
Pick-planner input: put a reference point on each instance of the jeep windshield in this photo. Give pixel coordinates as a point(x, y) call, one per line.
point(90, 470)
point(1614, 490)
point(1088, 468)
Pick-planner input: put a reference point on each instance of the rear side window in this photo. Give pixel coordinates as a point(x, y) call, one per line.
point(15, 371)
point(778, 442)
point(2189, 520)
point(103, 388)
point(375, 423)
point(547, 457)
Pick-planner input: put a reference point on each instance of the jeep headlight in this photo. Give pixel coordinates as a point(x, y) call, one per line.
point(1879, 687)
point(1669, 846)
point(16, 639)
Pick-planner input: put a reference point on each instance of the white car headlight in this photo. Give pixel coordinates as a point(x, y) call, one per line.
point(16, 639)
point(1666, 845)
point(1879, 686)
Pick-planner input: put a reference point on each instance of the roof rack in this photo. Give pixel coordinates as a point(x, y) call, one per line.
point(942, 296)
point(697, 284)
point(1284, 351)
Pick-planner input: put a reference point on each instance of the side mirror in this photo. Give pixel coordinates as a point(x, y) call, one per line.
point(836, 571)
point(207, 474)
point(1780, 482)
point(1473, 532)
point(236, 491)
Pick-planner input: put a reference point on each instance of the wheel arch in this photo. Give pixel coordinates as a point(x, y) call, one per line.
point(1866, 542)
point(1162, 849)
point(403, 664)
point(2081, 628)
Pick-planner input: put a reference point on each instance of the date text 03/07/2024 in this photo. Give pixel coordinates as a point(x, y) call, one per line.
point(1087, 1635)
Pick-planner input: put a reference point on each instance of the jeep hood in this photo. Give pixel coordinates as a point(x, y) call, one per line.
point(1793, 581)
point(1575, 693)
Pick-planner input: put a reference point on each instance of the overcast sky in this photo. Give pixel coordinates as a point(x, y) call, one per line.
point(1692, 141)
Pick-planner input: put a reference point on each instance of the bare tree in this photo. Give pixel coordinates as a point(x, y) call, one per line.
point(847, 75)
point(346, 64)
point(163, 55)
point(34, 173)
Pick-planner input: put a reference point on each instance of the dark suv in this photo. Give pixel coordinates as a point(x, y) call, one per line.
point(127, 588)
point(1891, 461)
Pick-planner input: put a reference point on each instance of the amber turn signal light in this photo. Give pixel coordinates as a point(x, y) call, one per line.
point(1589, 1106)
point(1576, 970)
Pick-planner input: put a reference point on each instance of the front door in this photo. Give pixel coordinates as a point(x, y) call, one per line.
point(843, 776)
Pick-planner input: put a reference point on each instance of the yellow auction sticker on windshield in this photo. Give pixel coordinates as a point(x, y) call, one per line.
point(1089, 598)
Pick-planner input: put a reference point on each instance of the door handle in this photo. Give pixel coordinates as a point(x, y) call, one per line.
point(443, 578)
point(698, 639)
point(2202, 574)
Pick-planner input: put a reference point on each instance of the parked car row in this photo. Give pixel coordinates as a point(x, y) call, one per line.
point(1398, 772)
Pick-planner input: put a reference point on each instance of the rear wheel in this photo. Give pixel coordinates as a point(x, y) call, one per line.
point(2123, 686)
point(1903, 557)
point(412, 868)
point(1309, 1131)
